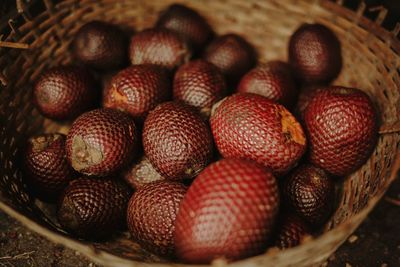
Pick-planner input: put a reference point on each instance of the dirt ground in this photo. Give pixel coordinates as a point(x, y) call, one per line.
point(375, 243)
point(21, 247)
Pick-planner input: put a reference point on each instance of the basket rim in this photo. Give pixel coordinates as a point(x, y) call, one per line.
point(103, 257)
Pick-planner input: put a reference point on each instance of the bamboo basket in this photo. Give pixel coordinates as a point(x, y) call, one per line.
point(37, 36)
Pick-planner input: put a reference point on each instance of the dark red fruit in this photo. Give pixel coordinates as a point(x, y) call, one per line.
point(341, 124)
point(160, 47)
point(310, 192)
point(199, 84)
point(46, 168)
point(63, 93)
point(151, 215)
point(177, 141)
point(228, 211)
point(315, 54)
point(232, 54)
point(253, 127)
point(138, 89)
point(93, 208)
point(273, 80)
point(305, 96)
point(186, 22)
point(142, 173)
point(100, 45)
point(292, 230)
point(101, 142)
point(105, 81)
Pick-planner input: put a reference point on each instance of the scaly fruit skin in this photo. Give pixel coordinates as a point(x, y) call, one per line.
point(63, 93)
point(315, 54)
point(160, 47)
point(186, 22)
point(100, 45)
point(228, 211)
point(310, 192)
point(151, 215)
point(292, 230)
point(46, 168)
point(199, 84)
point(141, 173)
point(306, 94)
point(138, 89)
point(273, 80)
point(101, 142)
point(232, 54)
point(251, 126)
point(341, 125)
point(93, 208)
point(177, 141)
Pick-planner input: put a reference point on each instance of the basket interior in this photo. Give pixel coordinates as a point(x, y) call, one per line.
point(371, 58)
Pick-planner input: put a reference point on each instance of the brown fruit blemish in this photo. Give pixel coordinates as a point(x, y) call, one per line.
point(84, 155)
point(40, 143)
point(291, 129)
point(118, 96)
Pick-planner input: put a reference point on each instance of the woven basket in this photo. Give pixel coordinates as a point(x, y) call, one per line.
point(38, 36)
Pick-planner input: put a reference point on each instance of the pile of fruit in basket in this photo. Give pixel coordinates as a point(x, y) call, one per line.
point(201, 151)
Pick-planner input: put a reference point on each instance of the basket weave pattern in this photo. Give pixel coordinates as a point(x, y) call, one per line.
point(41, 34)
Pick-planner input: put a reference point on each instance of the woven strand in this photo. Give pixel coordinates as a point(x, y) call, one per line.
point(14, 45)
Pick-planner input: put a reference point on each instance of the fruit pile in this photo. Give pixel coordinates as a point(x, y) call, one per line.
point(198, 149)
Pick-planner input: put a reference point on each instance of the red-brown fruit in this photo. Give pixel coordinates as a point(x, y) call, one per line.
point(228, 211)
point(46, 168)
point(160, 47)
point(188, 23)
point(232, 54)
point(199, 84)
point(93, 208)
point(101, 142)
point(138, 89)
point(64, 92)
point(273, 80)
point(305, 96)
point(315, 54)
point(177, 141)
point(141, 173)
point(100, 45)
point(105, 81)
point(251, 126)
point(341, 125)
point(292, 230)
point(310, 192)
point(151, 215)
